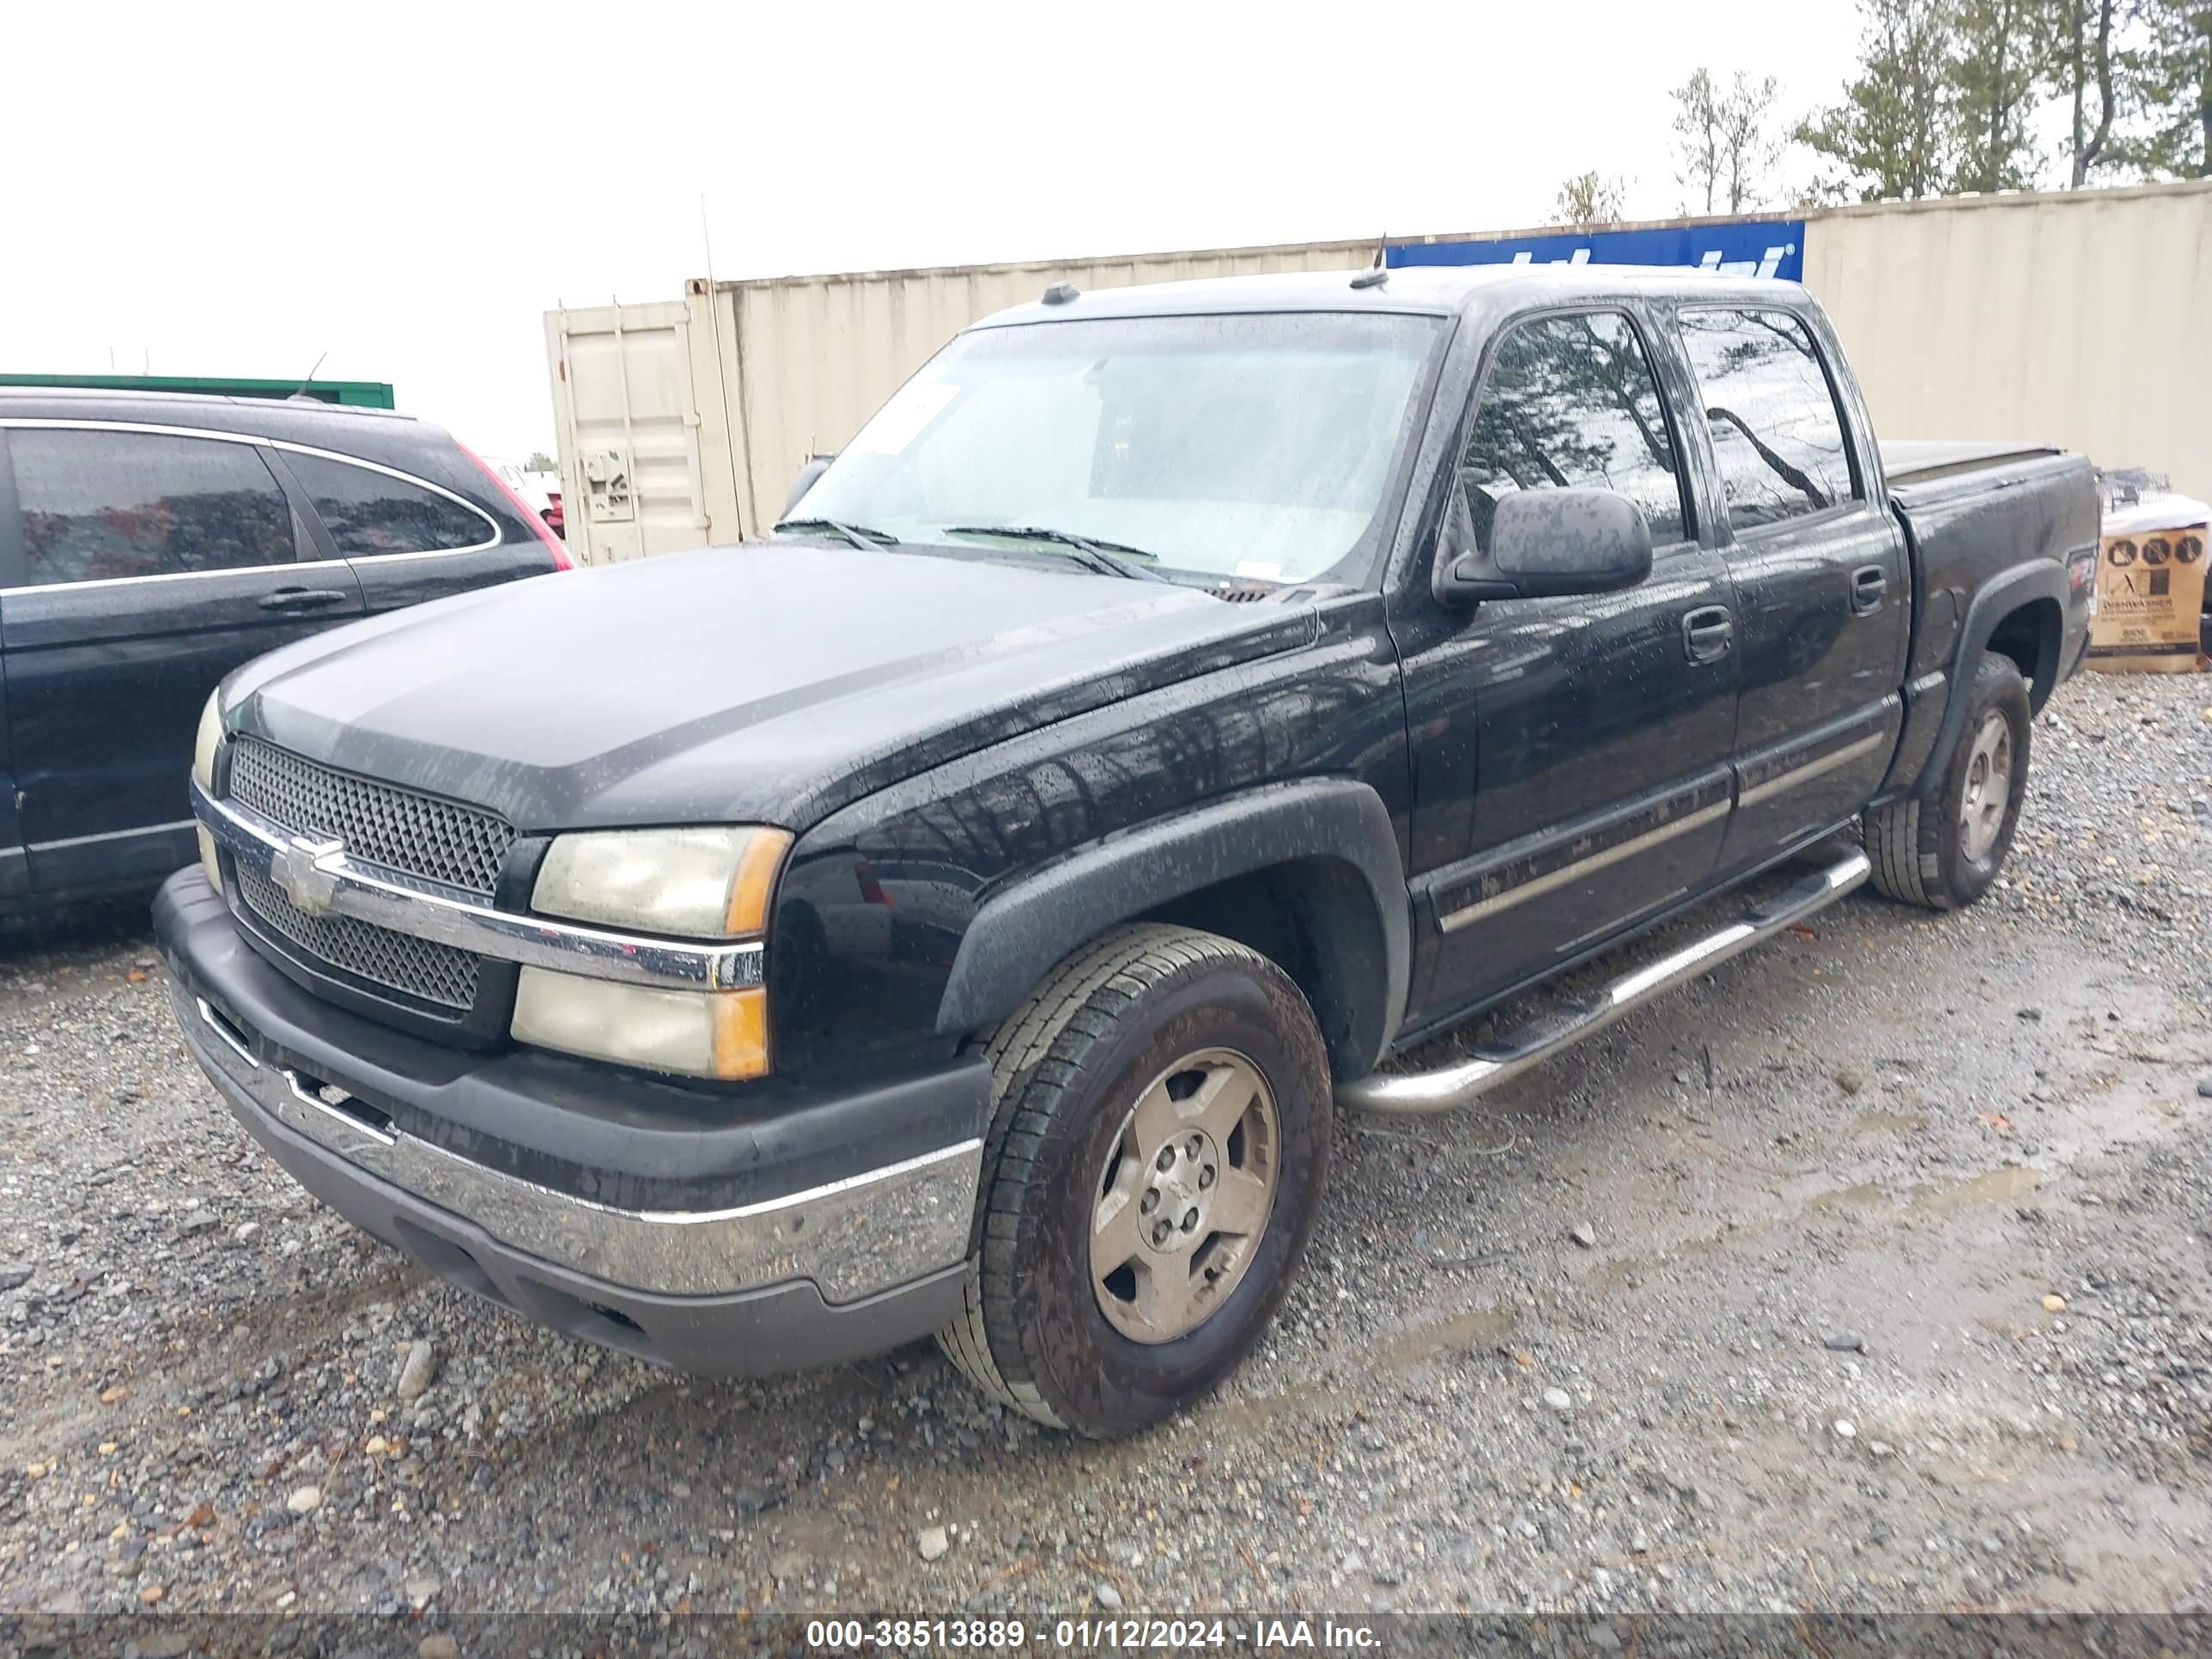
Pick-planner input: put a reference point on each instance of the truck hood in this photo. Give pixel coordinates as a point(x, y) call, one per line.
point(767, 683)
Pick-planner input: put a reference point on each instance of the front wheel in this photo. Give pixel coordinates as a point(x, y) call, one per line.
point(1944, 850)
point(1159, 1141)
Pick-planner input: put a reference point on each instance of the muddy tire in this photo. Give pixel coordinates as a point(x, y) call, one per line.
point(1941, 850)
point(1159, 1145)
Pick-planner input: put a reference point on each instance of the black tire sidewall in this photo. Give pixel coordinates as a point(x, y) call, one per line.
point(1093, 1377)
point(1960, 881)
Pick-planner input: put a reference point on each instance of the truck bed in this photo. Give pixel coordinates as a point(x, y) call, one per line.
point(1975, 512)
point(1923, 460)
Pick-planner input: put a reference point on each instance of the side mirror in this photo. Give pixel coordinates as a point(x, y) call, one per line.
point(1545, 543)
point(814, 467)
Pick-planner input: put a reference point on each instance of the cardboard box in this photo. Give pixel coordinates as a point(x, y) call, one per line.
point(2150, 586)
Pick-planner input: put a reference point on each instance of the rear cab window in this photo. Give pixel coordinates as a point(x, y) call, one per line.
point(99, 506)
point(1771, 407)
point(369, 512)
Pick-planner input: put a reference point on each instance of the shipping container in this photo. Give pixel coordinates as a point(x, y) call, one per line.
point(2082, 318)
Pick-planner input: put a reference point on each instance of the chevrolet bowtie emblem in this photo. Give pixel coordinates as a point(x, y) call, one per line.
point(299, 871)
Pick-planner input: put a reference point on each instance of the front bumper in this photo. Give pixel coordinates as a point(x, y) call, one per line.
point(798, 1238)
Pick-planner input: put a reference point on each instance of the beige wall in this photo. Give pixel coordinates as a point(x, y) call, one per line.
point(2079, 319)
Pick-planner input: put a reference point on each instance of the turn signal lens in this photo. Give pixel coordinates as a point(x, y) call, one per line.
point(755, 880)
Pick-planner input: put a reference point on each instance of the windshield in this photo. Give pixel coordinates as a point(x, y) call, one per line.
point(1244, 445)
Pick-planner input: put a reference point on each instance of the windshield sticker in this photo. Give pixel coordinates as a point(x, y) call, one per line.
point(900, 422)
point(1259, 570)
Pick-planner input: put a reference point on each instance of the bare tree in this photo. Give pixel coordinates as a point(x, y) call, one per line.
point(1697, 139)
point(1995, 77)
point(1749, 148)
point(2082, 66)
point(1591, 199)
point(1723, 141)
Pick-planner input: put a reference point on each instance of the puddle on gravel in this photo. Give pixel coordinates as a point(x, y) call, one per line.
point(1480, 1327)
point(1867, 1195)
point(1626, 1271)
point(1459, 1331)
point(1332, 1393)
point(1879, 1122)
point(1993, 1186)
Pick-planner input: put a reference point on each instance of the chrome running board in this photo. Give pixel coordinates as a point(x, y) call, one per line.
point(1502, 1058)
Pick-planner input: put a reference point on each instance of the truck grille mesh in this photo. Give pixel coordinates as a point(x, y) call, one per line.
point(421, 967)
point(416, 835)
point(380, 823)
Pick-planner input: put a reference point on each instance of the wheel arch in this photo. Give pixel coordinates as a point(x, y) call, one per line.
point(2032, 634)
point(2021, 614)
point(1307, 872)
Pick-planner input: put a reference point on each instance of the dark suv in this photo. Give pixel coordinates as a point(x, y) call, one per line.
point(150, 543)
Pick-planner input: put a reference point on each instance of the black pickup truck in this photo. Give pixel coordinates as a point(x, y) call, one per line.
point(962, 912)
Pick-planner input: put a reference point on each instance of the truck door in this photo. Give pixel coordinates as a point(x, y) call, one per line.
point(150, 564)
point(1816, 563)
point(1570, 755)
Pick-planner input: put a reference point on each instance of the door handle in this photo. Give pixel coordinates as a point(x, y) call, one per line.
point(302, 598)
point(1868, 583)
point(1708, 632)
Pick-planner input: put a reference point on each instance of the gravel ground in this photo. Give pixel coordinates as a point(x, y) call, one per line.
point(1870, 1272)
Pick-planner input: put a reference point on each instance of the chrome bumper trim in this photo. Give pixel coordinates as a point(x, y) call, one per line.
point(320, 878)
point(851, 1237)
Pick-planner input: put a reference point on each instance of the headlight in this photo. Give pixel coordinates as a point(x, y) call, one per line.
point(209, 740)
point(693, 884)
point(717, 1033)
point(711, 883)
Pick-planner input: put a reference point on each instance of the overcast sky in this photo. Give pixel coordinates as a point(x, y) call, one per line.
point(224, 189)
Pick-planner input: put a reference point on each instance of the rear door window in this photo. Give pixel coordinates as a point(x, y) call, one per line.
point(100, 506)
point(369, 512)
point(1777, 432)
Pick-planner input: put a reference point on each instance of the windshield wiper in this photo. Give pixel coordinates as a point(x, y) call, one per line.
point(1105, 557)
point(867, 540)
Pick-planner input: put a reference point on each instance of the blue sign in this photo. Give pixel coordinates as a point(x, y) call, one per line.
point(1738, 247)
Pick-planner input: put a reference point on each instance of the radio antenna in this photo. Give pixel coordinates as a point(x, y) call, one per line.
point(310, 380)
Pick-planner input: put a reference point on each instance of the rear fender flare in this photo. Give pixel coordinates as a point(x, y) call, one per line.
point(2002, 595)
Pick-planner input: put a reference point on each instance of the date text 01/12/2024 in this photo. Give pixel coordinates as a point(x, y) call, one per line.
point(1086, 1635)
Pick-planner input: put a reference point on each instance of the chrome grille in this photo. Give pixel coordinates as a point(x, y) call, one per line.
point(419, 967)
point(380, 823)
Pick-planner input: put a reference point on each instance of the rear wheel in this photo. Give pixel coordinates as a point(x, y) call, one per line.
point(1158, 1146)
point(1943, 850)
